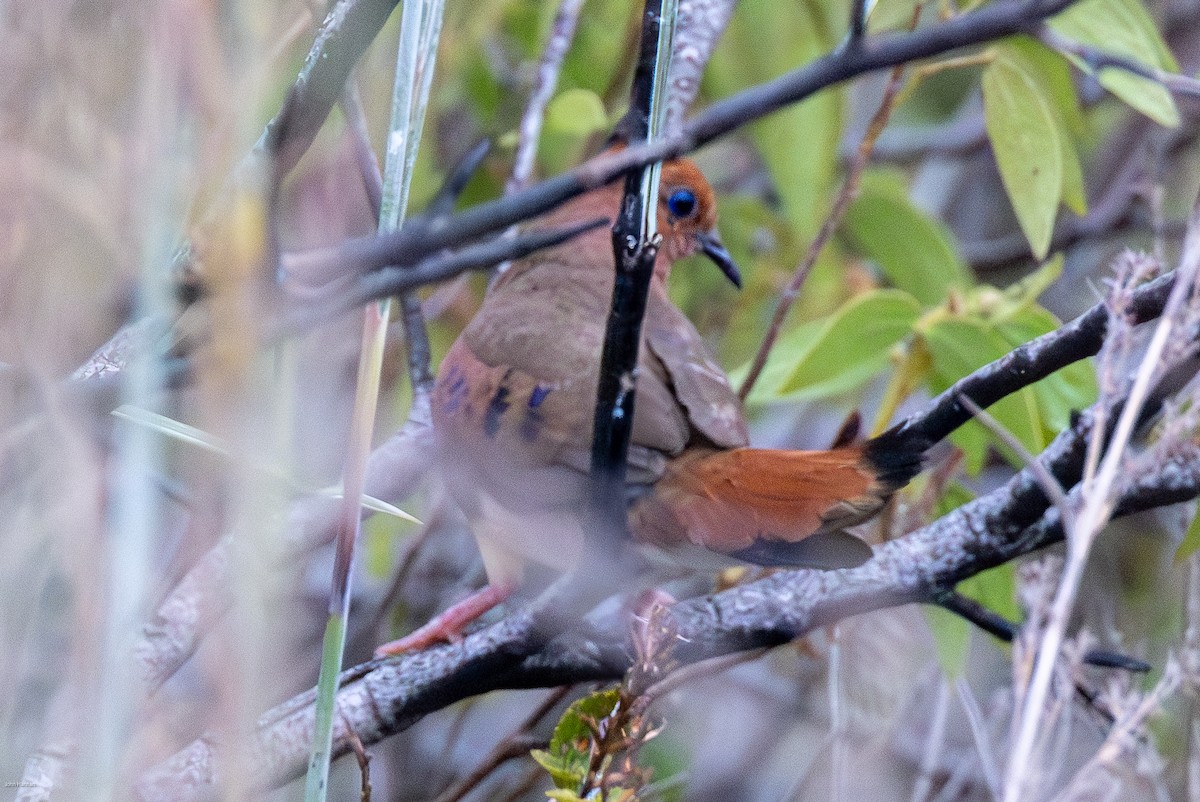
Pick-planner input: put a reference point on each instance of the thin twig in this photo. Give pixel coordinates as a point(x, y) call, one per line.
point(364, 156)
point(419, 239)
point(1121, 737)
point(694, 671)
point(935, 743)
point(562, 32)
point(979, 732)
point(1098, 60)
point(363, 758)
point(845, 196)
point(308, 312)
point(1099, 501)
point(1049, 484)
point(516, 744)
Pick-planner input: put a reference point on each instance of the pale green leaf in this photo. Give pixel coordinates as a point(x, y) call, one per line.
point(565, 774)
point(959, 346)
point(1124, 28)
point(840, 352)
point(571, 118)
point(568, 755)
point(1148, 97)
point(172, 428)
point(1052, 73)
point(852, 344)
point(1191, 541)
point(1027, 146)
point(915, 252)
point(765, 39)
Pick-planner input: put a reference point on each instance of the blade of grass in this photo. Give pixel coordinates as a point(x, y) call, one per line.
point(419, 31)
point(186, 433)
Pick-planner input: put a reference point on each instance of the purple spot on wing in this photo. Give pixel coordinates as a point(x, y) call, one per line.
point(538, 396)
point(495, 408)
point(455, 384)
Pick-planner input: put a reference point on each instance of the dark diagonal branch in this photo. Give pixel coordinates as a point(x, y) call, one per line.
point(1035, 360)
point(394, 280)
point(416, 240)
point(344, 36)
point(346, 31)
point(635, 242)
point(1000, 627)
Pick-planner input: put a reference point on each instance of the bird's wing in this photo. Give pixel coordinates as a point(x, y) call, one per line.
point(699, 383)
point(763, 506)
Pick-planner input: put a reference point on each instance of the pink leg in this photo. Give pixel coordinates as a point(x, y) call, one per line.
point(448, 627)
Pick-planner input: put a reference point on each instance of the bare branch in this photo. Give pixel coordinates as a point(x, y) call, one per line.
point(1098, 60)
point(383, 697)
point(418, 238)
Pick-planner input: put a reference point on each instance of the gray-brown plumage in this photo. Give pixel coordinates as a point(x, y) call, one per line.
point(515, 396)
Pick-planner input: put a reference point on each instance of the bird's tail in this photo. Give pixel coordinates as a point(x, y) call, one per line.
point(775, 507)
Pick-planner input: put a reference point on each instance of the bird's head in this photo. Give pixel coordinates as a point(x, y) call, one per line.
point(687, 217)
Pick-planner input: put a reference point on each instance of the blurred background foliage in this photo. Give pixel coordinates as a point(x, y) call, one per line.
point(999, 193)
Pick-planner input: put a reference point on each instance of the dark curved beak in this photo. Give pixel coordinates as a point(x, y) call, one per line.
point(711, 245)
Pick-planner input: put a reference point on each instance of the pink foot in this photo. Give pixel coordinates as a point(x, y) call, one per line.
point(448, 627)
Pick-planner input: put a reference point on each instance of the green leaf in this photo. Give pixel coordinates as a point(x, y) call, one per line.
point(568, 756)
point(764, 39)
point(833, 355)
point(562, 769)
point(951, 638)
point(1027, 146)
point(959, 346)
point(995, 589)
point(571, 118)
point(915, 252)
point(852, 345)
point(1052, 73)
point(1067, 389)
point(1123, 28)
point(1191, 541)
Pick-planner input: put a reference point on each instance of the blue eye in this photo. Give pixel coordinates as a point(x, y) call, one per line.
point(682, 203)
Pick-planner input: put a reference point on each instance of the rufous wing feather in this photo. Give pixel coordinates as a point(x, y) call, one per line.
point(765, 506)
